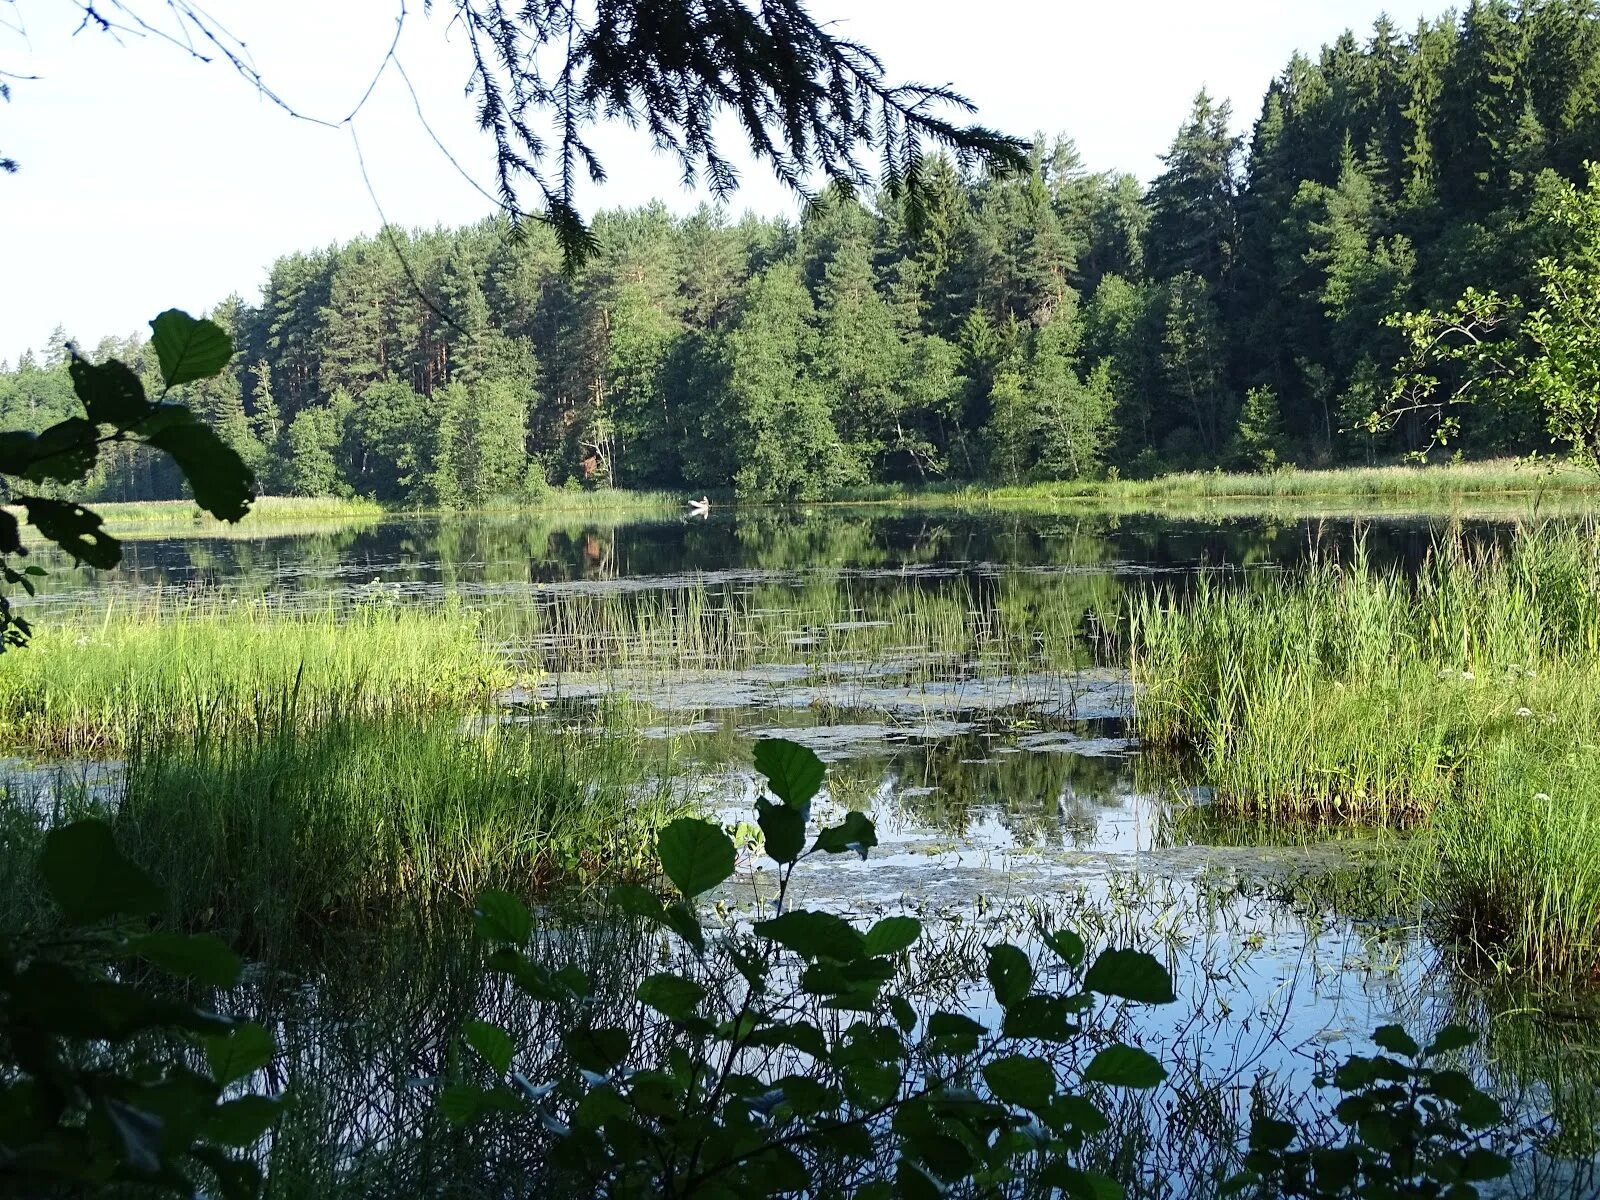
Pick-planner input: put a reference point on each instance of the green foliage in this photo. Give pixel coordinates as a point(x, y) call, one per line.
point(794, 1062)
point(97, 1091)
point(1412, 1127)
point(116, 410)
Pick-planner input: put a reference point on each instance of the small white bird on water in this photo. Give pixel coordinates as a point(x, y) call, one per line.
point(700, 508)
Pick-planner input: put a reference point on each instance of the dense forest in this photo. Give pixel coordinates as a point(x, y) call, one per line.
point(1055, 323)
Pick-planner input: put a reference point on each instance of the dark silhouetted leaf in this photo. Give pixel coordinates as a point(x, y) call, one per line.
point(90, 880)
point(671, 995)
point(221, 483)
point(1010, 973)
point(235, 1055)
point(241, 1123)
point(1396, 1040)
point(814, 935)
point(111, 393)
point(491, 1043)
point(201, 957)
point(1131, 975)
point(783, 830)
point(75, 529)
point(853, 834)
point(1067, 945)
point(1021, 1080)
point(893, 934)
point(598, 1050)
point(501, 917)
point(63, 453)
point(1125, 1066)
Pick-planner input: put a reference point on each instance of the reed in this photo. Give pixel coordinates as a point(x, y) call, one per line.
point(1463, 701)
point(276, 836)
point(88, 682)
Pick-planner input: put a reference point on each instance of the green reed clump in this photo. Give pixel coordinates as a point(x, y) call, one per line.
point(275, 835)
point(87, 682)
point(1358, 692)
point(1465, 700)
point(1519, 852)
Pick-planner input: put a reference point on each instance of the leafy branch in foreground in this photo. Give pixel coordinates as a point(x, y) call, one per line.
point(93, 1093)
point(116, 409)
point(795, 1064)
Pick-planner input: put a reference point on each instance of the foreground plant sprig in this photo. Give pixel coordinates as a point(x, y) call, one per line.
point(793, 1062)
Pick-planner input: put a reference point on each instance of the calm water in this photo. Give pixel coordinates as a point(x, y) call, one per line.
point(1004, 792)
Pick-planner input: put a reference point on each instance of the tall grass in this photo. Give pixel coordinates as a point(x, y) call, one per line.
point(276, 835)
point(86, 683)
point(1448, 700)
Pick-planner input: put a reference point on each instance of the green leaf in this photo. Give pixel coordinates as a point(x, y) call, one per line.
point(1482, 1165)
point(1396, 1040)
point(681, 919)
point(794, 772)
point(65, 452)
point(1132, 975)
point(1125, 1066)
point(1068, 946)
point(598, 1050)
point(90, 880)
point(461, 1103)
point(491, 1043)
point(188, 349)
point(75, 529)
point(672, 996)
point(10, 535)
point(1010, 973)
point(1076, 1184)
point(111, 393)
point(501, 917)
point(814, 935)
point(240, 1123)
point(221, 483)
point(232, 1056)
point(783, 830)
point(695, 854)
point(954, 1033)
point(201, 957)
point(893, 934)
point(854, 834)
point(1022, 1080)
point(1451, 1037)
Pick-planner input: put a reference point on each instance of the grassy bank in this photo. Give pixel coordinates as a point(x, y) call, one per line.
point(1499, 478)
point(87, 684)
point(1449, 701)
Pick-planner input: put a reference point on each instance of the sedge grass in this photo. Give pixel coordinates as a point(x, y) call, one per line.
point(1462, 701)
point(86, 683)
point(276, 836)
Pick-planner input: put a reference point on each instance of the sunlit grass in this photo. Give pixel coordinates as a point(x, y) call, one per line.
point(1450, 701)
point(86, 684)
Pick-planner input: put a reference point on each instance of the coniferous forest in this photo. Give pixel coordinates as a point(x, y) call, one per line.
point(1058, 323)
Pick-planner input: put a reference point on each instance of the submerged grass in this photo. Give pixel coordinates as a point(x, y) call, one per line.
point(277, 836)
point(85, 685)
point(1464, 700)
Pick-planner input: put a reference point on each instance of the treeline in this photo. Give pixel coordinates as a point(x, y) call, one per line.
point(1055, 324)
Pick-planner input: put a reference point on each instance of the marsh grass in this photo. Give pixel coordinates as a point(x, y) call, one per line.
point(278, 836)
point(1464, 701)
point(87, 683)
point(1501, 477)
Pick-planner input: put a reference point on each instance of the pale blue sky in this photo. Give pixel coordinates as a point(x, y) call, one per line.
point(149, 180)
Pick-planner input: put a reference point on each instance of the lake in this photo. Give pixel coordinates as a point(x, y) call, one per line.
point(960, 672)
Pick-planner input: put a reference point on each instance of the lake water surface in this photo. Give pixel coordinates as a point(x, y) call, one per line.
point(988, 737)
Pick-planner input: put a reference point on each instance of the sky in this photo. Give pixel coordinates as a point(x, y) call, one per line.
point(152, 180)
